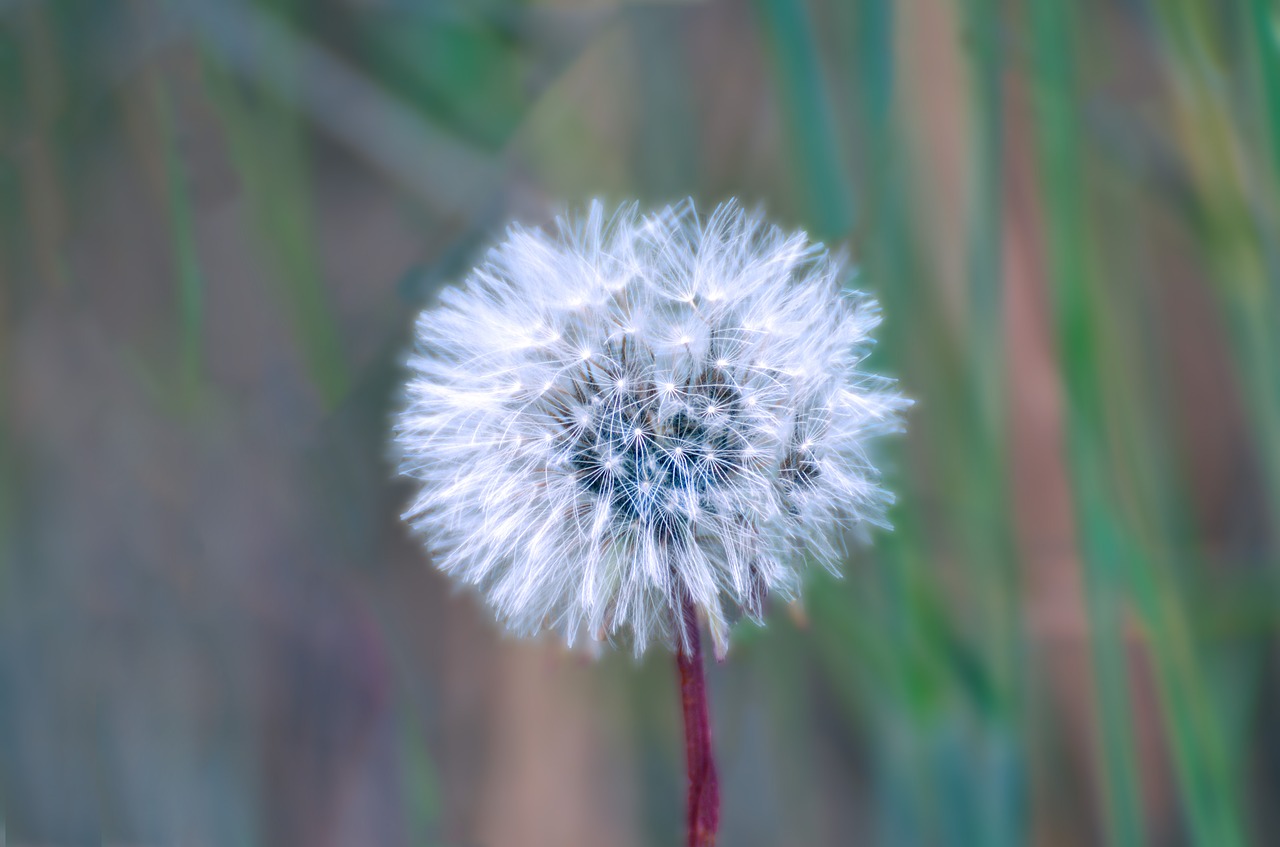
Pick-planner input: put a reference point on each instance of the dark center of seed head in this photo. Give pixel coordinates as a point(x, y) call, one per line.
point(658, 470)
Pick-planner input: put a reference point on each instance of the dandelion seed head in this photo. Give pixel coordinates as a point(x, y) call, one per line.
point(633, 409)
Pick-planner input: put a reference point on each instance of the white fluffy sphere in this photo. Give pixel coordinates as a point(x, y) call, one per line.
point(632, 411)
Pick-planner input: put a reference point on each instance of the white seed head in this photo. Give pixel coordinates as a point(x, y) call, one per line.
point(633, 410)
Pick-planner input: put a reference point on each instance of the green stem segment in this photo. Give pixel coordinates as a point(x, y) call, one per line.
point(704, 786)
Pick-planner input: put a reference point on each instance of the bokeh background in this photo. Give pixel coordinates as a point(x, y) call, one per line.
point(218, 218)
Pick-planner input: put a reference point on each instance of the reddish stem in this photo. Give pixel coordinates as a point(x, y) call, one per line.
point(704, 787)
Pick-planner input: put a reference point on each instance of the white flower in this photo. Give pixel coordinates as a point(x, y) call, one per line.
point(635, 410)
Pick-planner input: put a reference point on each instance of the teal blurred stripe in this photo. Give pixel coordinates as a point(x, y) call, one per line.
point(187, 271)
point(1061, 170)
point(806, 112)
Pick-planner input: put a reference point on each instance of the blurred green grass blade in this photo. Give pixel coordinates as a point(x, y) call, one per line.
point(1264, 24)
point(885, 226)
point(806, 112)
point(1256, 349)
point(9, 471)
point(268, 147)
point(874, 84)
point(466, 72)
point(187, 271)
point(1116, 566)
point(1243, 249)
point(1101, 553)
point(1003, 809)
point(935, 678)
point(1198, 713)
point(986, 330)
point(348, 106)
point(1204, 778)
point(12, 260)
point(876, 75)
point(1058, 138)
point(990, 540)
point(420, 780)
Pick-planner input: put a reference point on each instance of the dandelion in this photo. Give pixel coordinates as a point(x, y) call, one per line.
point(639, 421)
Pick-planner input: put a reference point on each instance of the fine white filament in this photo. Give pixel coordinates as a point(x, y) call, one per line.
point(637, 409)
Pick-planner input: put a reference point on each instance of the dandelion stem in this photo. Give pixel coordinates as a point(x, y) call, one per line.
point(704, 787)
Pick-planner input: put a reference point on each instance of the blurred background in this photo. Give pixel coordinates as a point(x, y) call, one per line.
point(218, 218)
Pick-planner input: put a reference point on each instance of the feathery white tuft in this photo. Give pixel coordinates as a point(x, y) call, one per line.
point(634, 409)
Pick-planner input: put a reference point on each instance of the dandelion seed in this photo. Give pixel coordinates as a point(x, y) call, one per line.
point(697, 463)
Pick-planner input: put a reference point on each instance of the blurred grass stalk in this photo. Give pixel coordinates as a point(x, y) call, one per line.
point(990, 537)
point(932, 687)
point(1066, 247)
point(893, 648)
point(1233, 161)
point(990, 531)
point(271, 85)
point(187, 262)
point(806, 109)
point(1129, 544)
point(269, 146)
